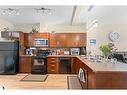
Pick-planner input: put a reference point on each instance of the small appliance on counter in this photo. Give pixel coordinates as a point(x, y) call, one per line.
point(75, 51)
point(66, 52)
point(30, 51)
point(82, 50)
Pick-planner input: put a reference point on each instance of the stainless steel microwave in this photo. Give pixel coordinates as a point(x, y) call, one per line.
point(41, 42)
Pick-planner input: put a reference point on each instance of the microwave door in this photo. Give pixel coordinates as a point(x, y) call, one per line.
point(41, 42)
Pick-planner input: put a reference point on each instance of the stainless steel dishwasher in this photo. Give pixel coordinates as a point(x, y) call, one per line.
point(64, 65)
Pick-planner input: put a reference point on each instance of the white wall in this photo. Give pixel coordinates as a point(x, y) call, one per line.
point(26, 27)
point(63, 28)
point(110, 22)
point(3, 24)
point(101, 34)
point(49, 28)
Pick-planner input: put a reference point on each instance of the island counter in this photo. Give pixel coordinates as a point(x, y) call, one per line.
point(105, 75)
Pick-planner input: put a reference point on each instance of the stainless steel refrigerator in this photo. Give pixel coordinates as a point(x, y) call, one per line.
point(8, 57)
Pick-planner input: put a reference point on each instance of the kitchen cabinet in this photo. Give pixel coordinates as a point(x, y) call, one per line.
point(21, 43)
point(76, 39)
point(29, 39)
point(41, 35)
point(52, 65)
point(73, 65)
point(25, 64)
point(68, 40)
point(52, 40)
point(10, 34)
point(5, 34)
point(61, 40)
point(78, 65)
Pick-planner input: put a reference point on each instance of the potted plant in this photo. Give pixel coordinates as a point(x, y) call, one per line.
point(34, 29)
point(106, 50)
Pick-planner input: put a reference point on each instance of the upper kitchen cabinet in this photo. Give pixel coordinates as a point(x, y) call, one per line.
point(21, 43)
point(61, 40)
point(41, 35)
point(10, 34)
point(68, 40)
point(5, 34)
point(29, 39)
point(52, 40)
point(21, 38)
point(76, 39)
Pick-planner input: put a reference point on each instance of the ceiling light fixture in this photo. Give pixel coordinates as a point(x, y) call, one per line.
point(44, 10)
point(10, 11)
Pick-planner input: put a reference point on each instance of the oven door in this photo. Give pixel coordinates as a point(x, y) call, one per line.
point(39, 66)
point(39, 62)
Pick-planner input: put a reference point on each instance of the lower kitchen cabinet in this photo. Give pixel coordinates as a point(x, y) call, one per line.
point(25, 64)
point(52, 65)
point(76, 65)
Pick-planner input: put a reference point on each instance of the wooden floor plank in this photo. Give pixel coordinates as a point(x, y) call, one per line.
point(53, 81)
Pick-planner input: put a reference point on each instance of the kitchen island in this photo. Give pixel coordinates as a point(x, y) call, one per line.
point(105, 75)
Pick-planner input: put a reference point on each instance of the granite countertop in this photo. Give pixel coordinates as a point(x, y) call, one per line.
point(105, 67)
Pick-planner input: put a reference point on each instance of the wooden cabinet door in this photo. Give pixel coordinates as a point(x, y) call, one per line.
point(76, 39)
point(73, 65)
point(21, 43)
point(25, 64)
point(41, 35)
point(21, 38)
point(52, 40)
point(61, 40)
point(29, 39)
point(71, 40)
point(5, 34)
point(82, 39)
point(78, 65)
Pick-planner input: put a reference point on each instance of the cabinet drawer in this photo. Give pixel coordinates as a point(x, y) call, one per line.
point(52, 62)
point(52, 59)
point(52, 66)
point(52, 71)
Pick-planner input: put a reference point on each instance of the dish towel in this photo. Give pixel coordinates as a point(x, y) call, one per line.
point(81, 75)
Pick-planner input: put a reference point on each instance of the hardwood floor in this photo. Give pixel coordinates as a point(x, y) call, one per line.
point(53, 81)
